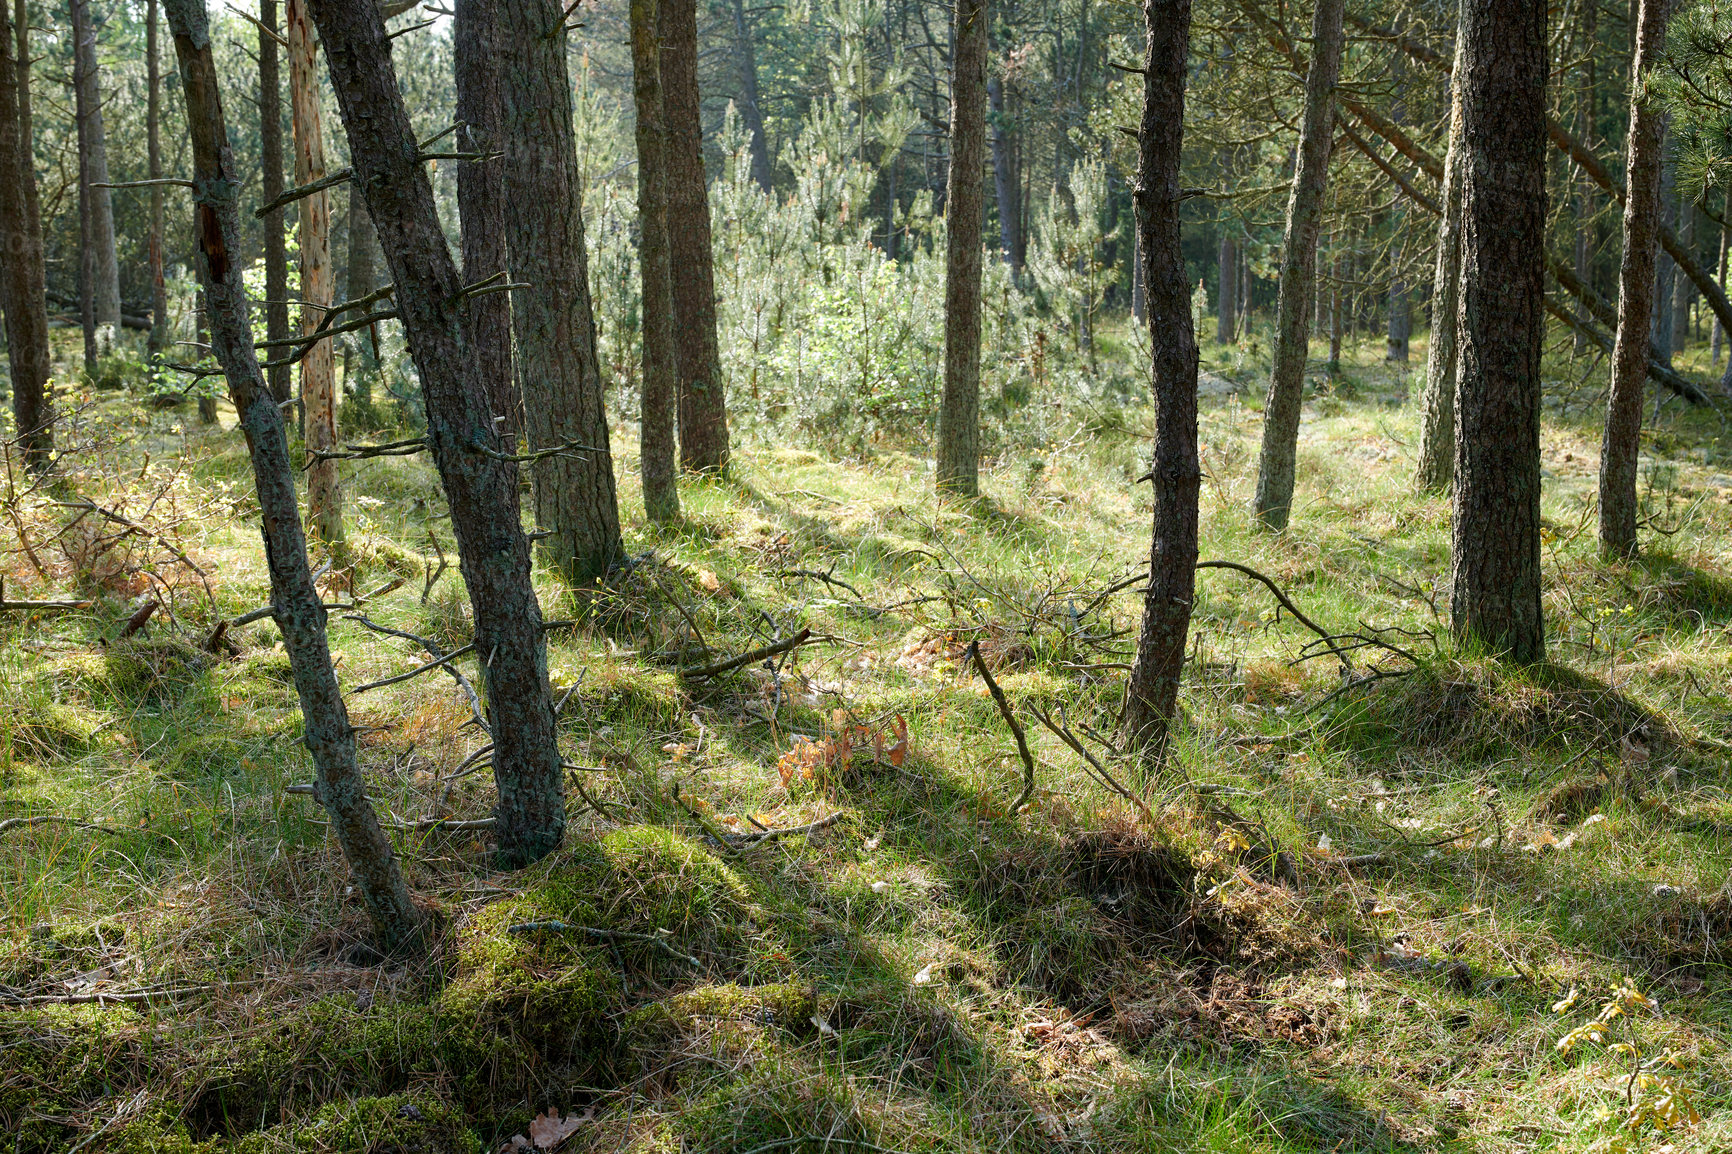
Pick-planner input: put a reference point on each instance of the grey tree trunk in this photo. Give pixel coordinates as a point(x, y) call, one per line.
point(1643, 182)
point(1725, 234)
point(360, 356)
point(1436, 466)
point(153, 148)
point(1495, 527)
point(1151, 696)
point(1335, 316)
point(480, 481)
point(100, 262)
point(750, 104)
point(1682, 289)
point(1298, 270)
point(558, 368)
point(271, 187)
point(481, 204)
point(703, 402)
point(1227, 307)
point(294, 598)
point(1584, 208)
point(1400, 319)
point(656, 454)
point(958, 466)
point(1665, 270)
point(23, 290)
point(1004, 182)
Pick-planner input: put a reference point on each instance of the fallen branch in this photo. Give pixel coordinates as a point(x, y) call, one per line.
point(604, 935)
point(1063, 733)
point(750, 839)
point(55, 819)
point(1010, 720)
point(99, 997)
point(1328, 638)
point(758, 654)
point(415, 672)
point(26, 606)
point(122, 519)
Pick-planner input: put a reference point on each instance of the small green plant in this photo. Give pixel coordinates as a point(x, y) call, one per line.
point(1656, 1096)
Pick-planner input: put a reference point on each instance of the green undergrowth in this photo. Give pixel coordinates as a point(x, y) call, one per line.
point(1339, 921)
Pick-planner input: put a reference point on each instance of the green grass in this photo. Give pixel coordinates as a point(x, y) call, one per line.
point(931, 972)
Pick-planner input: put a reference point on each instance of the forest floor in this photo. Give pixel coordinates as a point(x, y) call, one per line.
point(1360, 914)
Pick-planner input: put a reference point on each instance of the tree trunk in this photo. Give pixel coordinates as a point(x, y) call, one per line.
point(1151, 699)
point(558, 369)
point(1665, 269)
point(23, 293)
point(1495, 529)
point(100, 263)
point(1227, 307)
point(1298, 268)
point(1004, 180)
point(361, 357)
point(1725, 235)
point(318, 368)
point(481, 204)
point(271, 187)
point(958, 466)
point(656, 459)
point(1679, 312)
point(749, 103)
point(1436, 465)
point(481, 483)
point(1621, 443)
point(1584, 199)
point(153, 147)
point(703, 402)
point(1335, 316)
point(1400, 318)
point(294, 598)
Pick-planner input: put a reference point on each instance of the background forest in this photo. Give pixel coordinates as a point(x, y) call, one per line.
point(598, 770)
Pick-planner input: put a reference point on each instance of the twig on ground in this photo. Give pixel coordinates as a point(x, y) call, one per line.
point(556, 927)
point(759, 654)
point(1286, 601)
point(12, 823)
point(139, 617)
point(768, 834)
point(1010, 720)
point(1063, 733)
point(441, 659)
point(98, 997)
point(128, 522)
point(817, 576)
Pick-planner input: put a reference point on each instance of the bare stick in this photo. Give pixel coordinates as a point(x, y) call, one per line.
point(1063, 733)
point(55, 819)
point(764, 835)
point(122, 519)
point(1010, 720)
point(604, 935)
point(1328, 638)
point(758, 654)
point(415, 672)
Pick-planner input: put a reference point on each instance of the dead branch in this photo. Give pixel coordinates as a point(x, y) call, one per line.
point(1284, 600)
point(604, 935)
point(759, 654)
point(1063, 733)
point(55, 819)
point(139, 618)
point(87, 506)
point(26, 606)
point(1010, 720)
point(415, 672)
point(441, 659)
point(750, 839)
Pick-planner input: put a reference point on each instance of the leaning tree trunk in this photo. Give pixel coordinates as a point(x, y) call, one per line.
point(750, 104)
point(1151, 700)
point(481, 203)
point(703, 403)
point(318, 367)
point(557, 365)
point(294, 598)
point(270, 188)
point(1298, 269)
point(1495, 530)
point(661, 496)
point(1004, 183)
point(100, 260)
point(1621, 441)
point(958, 471)
point(23, 293)
point(1436, 466)
point(153, 148)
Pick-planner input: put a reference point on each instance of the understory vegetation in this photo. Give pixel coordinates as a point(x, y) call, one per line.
point(1382, 881)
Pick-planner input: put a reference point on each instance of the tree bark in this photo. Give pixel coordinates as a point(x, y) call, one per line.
point(318, 368)
point(294, 598)
point(1298, 269)
point(656, 457)
point(750, 103)
point(1665, 271)
point(271, 187)
point(1621, 442)
point(1227, 307)
point(558, 369)
point(1335, 316)
point(1725, 235)
point(1400, 318)
point(158, 338)
point(481, 204)
point(481, 484)
point(703, 402)
point(958, 466)
point(1495, 528)
point(1436, 465)
point(100, 262)
point(23, 293)
point(1004, 182)
point(360, 357)
point(1678, 317)
point(1151, 699)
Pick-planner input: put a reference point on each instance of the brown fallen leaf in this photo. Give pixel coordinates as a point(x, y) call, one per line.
point(549, 1131)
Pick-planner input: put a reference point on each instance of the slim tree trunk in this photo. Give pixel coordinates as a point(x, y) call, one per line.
point(480, 481)
point(1584, 199)
point(750, 104)
point(661, 496)
point(294, 598)
point(1298, 268)
point(1495, 529)
point(1621, 442)
point(1227, 307)
point(1004, 180)
point(558, 369)
point(318, 368)
point(703, 403)
point(23, 294)
point(1151, 699)
point(1335, 316)
point(153, 147)
point(1679, 312)
point(1400, 318)
point(481, 203)
point(958, 471)
point(1436, 465)
point(271, 187)
point(360, 359)
point(1725, 235)
point(100, 260)
point(1665, 272)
